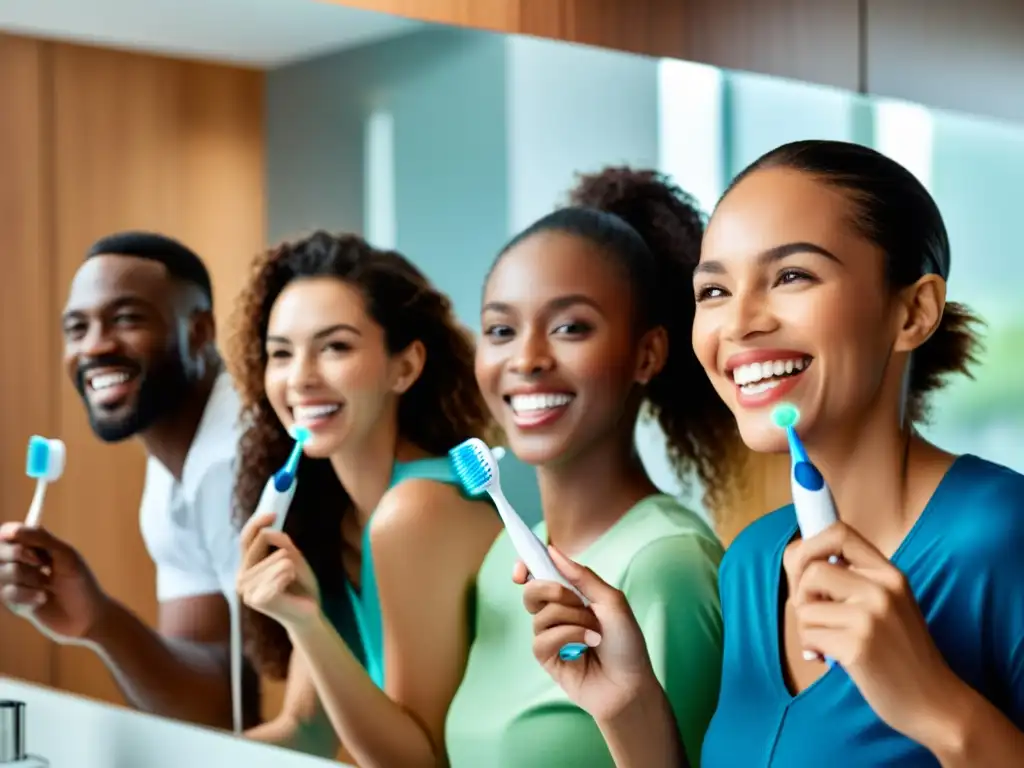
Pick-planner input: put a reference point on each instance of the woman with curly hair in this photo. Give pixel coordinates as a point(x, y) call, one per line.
point(586, 321)
point(363, 601)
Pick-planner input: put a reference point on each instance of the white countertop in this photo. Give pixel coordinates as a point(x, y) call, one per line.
point(75, 732)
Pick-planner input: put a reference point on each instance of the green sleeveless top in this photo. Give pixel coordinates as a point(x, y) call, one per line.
point(358, 619)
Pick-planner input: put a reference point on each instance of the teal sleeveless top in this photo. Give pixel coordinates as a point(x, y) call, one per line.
point(367, 639)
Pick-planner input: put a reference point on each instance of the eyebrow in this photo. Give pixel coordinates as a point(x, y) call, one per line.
point(557, 304)
point(323, 332)
point(769, 256)
point(119, 303)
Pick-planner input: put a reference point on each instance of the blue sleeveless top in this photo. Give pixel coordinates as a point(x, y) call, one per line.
point(962, 560)
point(365, 633)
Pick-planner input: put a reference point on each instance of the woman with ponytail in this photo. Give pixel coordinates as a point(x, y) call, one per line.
point(825, 264)
point(586, 324)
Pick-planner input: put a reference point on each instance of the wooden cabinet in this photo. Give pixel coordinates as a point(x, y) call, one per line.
point(942, 53)
point(812, 40)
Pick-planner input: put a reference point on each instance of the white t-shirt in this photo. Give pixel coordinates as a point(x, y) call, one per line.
point(187, 526)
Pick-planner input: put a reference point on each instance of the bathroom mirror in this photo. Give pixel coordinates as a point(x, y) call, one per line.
point(234, 123)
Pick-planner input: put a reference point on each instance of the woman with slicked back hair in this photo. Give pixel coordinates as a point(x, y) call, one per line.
point(896, 636)
point(585, 327)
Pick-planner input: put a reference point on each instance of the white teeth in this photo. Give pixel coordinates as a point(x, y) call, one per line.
point(539, 402)
point(759, 387)
point(304, 413)
point(107, 380)
point(754, 372)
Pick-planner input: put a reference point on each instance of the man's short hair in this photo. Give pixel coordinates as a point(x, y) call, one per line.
point(181, 262)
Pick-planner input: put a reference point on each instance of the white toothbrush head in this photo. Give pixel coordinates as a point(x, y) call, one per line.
point(45, 459)
point(475, 466)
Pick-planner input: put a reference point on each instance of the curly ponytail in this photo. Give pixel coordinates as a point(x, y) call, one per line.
point(654, 229)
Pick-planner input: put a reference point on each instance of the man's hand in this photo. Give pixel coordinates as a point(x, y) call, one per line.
point(41, 575)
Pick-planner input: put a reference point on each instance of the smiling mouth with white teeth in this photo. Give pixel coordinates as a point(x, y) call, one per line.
point(108, 380)
point(757, 378)
point(538, 408)
point(314, 415)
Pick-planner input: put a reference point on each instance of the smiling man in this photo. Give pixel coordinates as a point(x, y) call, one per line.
point(140, 348)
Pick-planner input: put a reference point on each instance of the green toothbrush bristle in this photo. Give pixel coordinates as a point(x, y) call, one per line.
point(785, 415)
point(299, 433)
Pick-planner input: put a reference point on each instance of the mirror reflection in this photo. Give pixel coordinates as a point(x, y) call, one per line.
point(264, 283)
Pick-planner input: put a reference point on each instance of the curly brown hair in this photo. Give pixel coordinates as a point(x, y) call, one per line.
point(659, 246)
point(441, 409)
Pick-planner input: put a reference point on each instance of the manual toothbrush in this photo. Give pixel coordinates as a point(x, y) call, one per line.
point(476, 467)
point(45, 463)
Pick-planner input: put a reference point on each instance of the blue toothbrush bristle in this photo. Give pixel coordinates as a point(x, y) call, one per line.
point(470, 467)
point(37, 461)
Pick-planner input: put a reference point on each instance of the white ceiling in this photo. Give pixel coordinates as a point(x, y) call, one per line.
point(262, 33)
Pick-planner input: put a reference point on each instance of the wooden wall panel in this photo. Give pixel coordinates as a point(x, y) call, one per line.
point(116, 166)
point(224, 145)
point(28, 383)
point(94, 141)
point(151, 143)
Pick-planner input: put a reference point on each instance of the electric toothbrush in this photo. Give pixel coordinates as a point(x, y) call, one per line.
point(276, 498)
point(476, 467)
point(44, 462)
point(280, 488)
point(812, 499)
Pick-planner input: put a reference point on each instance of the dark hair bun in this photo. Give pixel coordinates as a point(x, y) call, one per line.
point(666, 217)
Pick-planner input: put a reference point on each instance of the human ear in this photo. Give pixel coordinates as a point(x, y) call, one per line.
point(202, 332)
point(653, 352)
point(921, 312)
point(408, 365)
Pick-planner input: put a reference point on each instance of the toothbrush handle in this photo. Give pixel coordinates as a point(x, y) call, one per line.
point(276, 502)
point(815, 511)
point(530, 548)
point(235, 611)
point(271, 501)
point(35, 510)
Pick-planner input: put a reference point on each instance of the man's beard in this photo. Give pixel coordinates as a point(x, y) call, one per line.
point(161, 391)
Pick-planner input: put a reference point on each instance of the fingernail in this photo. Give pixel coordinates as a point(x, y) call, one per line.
point(591, 638)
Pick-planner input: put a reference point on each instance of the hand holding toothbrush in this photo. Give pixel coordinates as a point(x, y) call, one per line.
point(281, 584)
point(43, 575)
point(616, 671)
point(861, 612)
